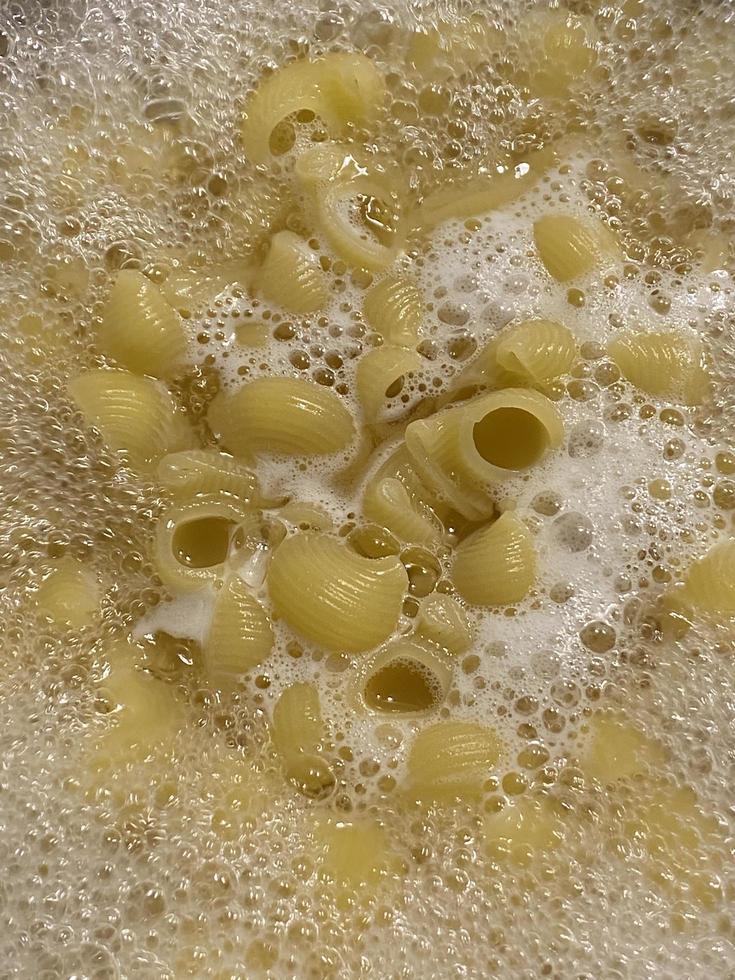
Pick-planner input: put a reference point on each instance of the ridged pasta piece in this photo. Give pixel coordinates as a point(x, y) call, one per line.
point(381, 375)
point(442, 620)
point(189, 289)
point(452, 760)
point(204, 471)
point(240, 635)
point(394, 307)
point(197, 541)
point(355, 850)
point(473, 196)
point(709, 585)
point(525, 830)
point(562, 50)
point(288, 416)
point(536, 350)
point(619, 750)
point(398, 466)
point(140, 329)
point(572, 247)
point(291, 276)
point(298, 732)
point(409, 677)
point(340, 88)
point(134, 415)
point(69, 595)
point(666, 364)
point(463, 450)
point(333, 596)
point(495, 565)
point(387, 502)
point(454, 45)
point(306, 516)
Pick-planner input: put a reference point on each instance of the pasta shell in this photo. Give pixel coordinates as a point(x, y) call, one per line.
point(407, 678)
point(140, 329)
point(240, 635)
point(388, 503)
point(563, 50)
point(188, 289)
point(467, 42)
point(281, 415)
point(333, 596)
point(665, 364)
point(354, 852)
point(69, 595)
point(572, 247)
point(709, 586)
point(394, 308)
point(297, 721)
point(291, 276)
point(537, 350)
point(524, 830)
point(380, 375)
point(134, 415)
point(495, 565)
point(196, 471)
point(452, 759)
point(618, 750)
point(443, 621)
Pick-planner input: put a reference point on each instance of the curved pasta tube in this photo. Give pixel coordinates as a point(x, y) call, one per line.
point(495, 565)
point(69, 595)
point(340, 88)
point(562, 49)
point(465, 449)
point(134, 415)
point(442, 620)
point(333, 596)
point(205, 471)
point(140, 329)
point(618, 750)
point(195, 542)
point(291, 276)
point(709, 585)
point(571, 247)
point(387, 502)
point(665, 364)
point(240, 635)
point(298, 734)
point(407, 678)
point(452, 760)
point(281, 415)
point(536, 350)
point(380, 376)
point(394, 307)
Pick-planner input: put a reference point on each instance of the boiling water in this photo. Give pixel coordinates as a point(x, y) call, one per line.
point(121, 149)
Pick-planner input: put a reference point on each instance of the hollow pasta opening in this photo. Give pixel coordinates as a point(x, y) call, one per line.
point(402, 685)
point(204, 542)
point(510, 438)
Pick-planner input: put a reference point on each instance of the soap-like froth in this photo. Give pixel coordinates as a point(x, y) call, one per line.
point(129, 155)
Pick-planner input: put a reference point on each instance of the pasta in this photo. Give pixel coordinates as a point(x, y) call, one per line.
point(139, 329)
point(572, 247)
point(467, 43)
point(281, 415)
point(69, 595)
point(525, 830)
point(192, 472)
point(406, 678)
point(298, 734)
point(452, 759)
point(291, 276)
point(394, 307)
point(134, 415)
point(333, 596)
point(495, 565)
point(387, 502)
point(381, 375)
point(665, 364)
point(189, 289)
point(618, 750)
point(196, 540)
point(442, 620)
point(536, 350)
point(355, 851)
point(563, 49)
point(240, 635)
point(709, 584)
point(465, 449)
point(340, 88)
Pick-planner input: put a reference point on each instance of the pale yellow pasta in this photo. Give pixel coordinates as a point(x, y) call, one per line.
point(468, 197)
point(709, 585)
point(387, 502)
point(454, 45)
point(69, 595)
point(140, 329)
point(281, 415)
point(189, 289)
point(562, 50)
point(495, 565)
point(355, 850)
point(408, 677)
point(340, 88)
point(665, 364)
point(192, 472)
point(298, 733)
point(134, 415)
point(394, 307)
point(196, 542)
point(442, 620)
point(463, 450)
point(398, 466)
point(525, 830)
point(618, 750)
point(452, 760)
point(536, 350)
point(381, 375)
point(306, 516)
point(572, 247)
point(291, 276)
point(240, 635)
point(334, 597)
